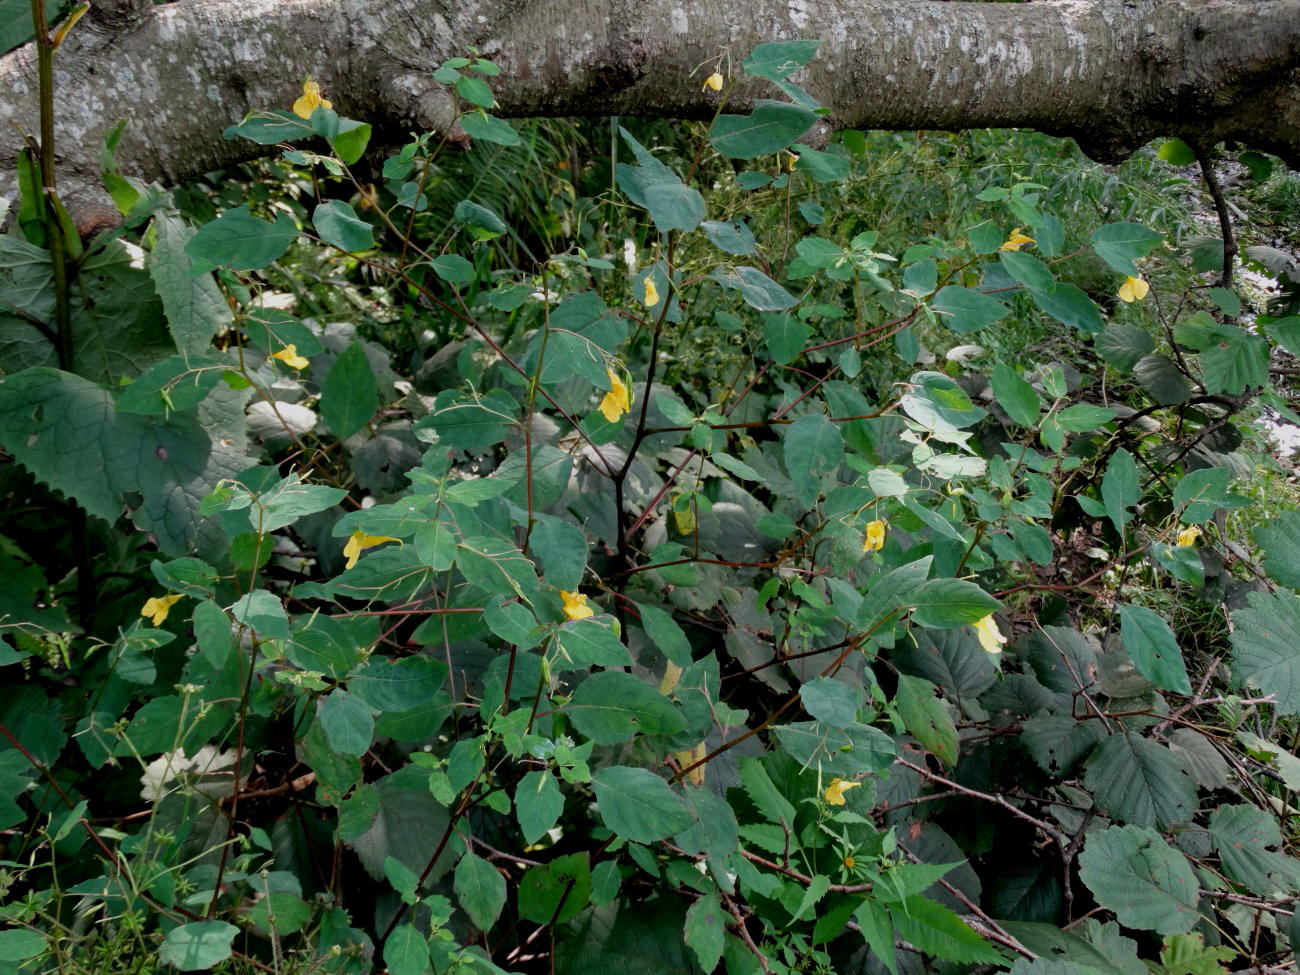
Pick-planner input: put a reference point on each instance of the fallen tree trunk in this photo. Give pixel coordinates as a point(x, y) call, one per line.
point(1110, 73)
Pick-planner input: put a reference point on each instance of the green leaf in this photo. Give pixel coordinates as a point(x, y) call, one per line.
point(261, 612)
point(173, 385)
point(785, 337)
point(756, 288)
point(1279, 539)
point(558, 890)
point(671, 203)
point(730, 236)
point(830, 701)
point(966, 310)
point(762, 791)
point(241, 241)
point(925, 718)
point(813, 448)
point(453, 268)
point(953, 659)
point(351, 140)
point(406, 952)
point(771, 127)
point(1057, 741)
point(1133, 872)
point(479, 125)
point(1264, 647)
point(290, 500)
point(589, 643)
point(776, 61)
point(270, 128)
point(878, 932)
point(1140, 781)
point(1069, 305)
point(665, 634)
point(480, 889)
point(1122, 345)
point(484, 223)
point(837, 751)
point(198, 945)
point(944, 603)
point(1200, 493)
point(469, 421)
point(1028, 270)
point(1241, 835)
point(349, 397)
point(1176, 152)
point(638, 805)
point(705, 931)
point(1016, 396)
point(1120, 489)
point(561, 547)
point(195, 308)
point(347, 723)
point(613, 706)
point(937, 931)
point(1151, 643)
point(1164, 382)
point(538, 804)
point(338, 224)
point(1120, 244)
point(475, 91)
point(821, 167)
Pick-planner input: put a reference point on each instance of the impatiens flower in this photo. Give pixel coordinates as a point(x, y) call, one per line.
point(651, 297)
point(991, 638)
point(290, 357)
point(310, 100)
point(1016, 241)
point(790, 159)
point(835, 791)
point(875, 539)
point(575, 605)
point(618, 400)
point(358, 542)
point(159, 606)
point(1188, 536)
point(713, 81)
point(1133, 289)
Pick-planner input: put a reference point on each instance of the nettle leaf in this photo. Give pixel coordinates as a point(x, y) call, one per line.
point(1242, 836)
point(1164, 382)
point(772, 126)
point(613, 706)
point(966, 310)
point(195, 308)
point(925, 718)
point(1122, 345)
point(338, 224)
point(1279, 539)
point(241, 241)
point(1141, 781)
point(1132, 871)
point(1153, 647)
point(638, 805)
point(1264, 647)
point(953, 659)
point(1120, 244)
point(1057, 741)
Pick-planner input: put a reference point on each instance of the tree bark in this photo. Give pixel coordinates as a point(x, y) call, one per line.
point(1111, 73)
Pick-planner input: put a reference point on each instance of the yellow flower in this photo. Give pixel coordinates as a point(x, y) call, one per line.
point(575, 605)
point(1133, 289)
point(991, 638)
point(875, 539)
point(290, 357)
point(359, 541)
point(835, 791)
point(713, 81)
point(159, 606)
point(1188, 536)
point(310, 100)
point(618, 400)
point(1016, 241)
point(790, 159)
point(651, 297)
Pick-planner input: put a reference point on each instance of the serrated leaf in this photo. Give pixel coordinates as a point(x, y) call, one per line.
point(937, 931)
point(1264, 647)
point(705, 931)
point(1279, 539)
point(1140, 781)
point(1242, 835)
point(195, 308)
point(1135, 873)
